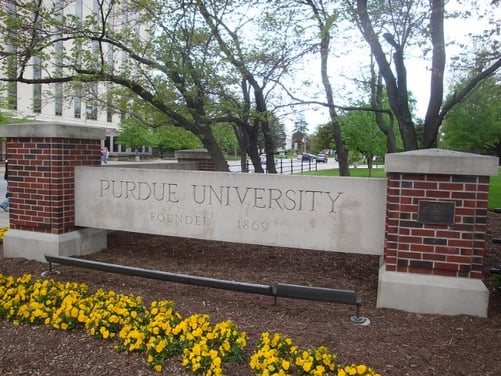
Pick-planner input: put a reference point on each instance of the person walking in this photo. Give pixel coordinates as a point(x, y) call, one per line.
point(104, 155)
point(5, 203)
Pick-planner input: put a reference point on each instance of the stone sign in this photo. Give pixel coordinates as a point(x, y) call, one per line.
point(322, 213)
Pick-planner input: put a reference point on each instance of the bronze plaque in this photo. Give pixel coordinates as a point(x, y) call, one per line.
point(436, 212)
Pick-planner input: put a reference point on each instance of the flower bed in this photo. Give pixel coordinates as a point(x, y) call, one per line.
point(3, 230)
point(158, 331)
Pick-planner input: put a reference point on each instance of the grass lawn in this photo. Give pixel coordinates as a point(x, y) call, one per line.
point(494, 188)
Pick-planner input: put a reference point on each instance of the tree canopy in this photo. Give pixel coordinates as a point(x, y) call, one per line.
point(197, 64)
point(474, 125)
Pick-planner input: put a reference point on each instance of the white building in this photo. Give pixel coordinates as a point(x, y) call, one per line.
point(64, 102)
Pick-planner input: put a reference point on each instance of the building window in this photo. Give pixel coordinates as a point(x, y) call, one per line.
point(58, 95)
point(77, 106)
point(12, 63)
point(91, 111)
point(59, 99)
point(109, 109)
point(116, 145)
point(37, 88)
point(91, 107)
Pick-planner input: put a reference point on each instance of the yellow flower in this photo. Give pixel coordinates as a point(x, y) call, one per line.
point(104, 332)
point(161, 345)
point(158, 367)
point(74, 312)
point(361, 369)
point(285, 364)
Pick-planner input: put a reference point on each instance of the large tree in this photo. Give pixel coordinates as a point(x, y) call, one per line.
point(404, 20)
point(325, 19)
point(158, 50)
point(261, 54)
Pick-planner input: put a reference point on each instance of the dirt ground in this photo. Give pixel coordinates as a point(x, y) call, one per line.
point(395, 343)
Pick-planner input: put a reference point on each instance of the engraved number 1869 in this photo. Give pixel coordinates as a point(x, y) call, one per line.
point(245, 224)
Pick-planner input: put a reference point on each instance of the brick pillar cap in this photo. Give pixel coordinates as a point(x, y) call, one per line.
point(193, 154)
point(440, 161)
point(52, 130)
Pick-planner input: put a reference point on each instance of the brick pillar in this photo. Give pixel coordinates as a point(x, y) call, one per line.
point(196, 159)
point(41, 161)
point(435, 232)
point(415, 246)
point(41, 181)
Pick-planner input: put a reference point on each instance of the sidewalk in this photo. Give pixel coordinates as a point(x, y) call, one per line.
point(4, 219)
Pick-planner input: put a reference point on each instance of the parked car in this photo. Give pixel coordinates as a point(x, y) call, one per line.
point(322, 158)
point(308, 157)
point(263, 159)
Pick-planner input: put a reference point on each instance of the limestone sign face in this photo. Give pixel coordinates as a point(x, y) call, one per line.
point(337, 214)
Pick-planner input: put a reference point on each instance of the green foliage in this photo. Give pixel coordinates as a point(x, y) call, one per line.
point(225, 137)
point(165, 139)
point(168, 139)
point(473, 125)
point(495, 191)
point(322, 139)
point(362, 135)
point(134, 134)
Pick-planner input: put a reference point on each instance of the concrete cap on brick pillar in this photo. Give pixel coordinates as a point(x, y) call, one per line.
point(192, 154)
point(440, 161)
point(52, 130)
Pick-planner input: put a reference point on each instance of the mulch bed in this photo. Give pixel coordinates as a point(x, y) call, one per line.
point(395, 343)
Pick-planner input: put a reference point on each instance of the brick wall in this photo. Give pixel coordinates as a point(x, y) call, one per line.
point(41, 181)
point(447, 250)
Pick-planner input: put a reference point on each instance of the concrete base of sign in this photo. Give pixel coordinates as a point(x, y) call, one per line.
point(34, 245)
point(432, 294)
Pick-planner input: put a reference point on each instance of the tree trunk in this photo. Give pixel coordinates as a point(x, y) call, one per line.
point(243, 142)
point(213, 148)
point(269, 147)
point(432, 119)
point(336, 125)
point(253, 149)
point(377, 102)
point(396, 86)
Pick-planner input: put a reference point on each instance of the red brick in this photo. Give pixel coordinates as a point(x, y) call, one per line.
point(413, 192)
point(433, 257)
point(448, 234)
point(445, 273)
point(419, 270)
point(423, 232)
point(433, 177)
point(451, 186)
point(425, 185)
point(446, 266)
point(421, 247)
point(448, 250)
point(410, 255)
point(439, 194)
point(459, 259)
point(476, 275)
